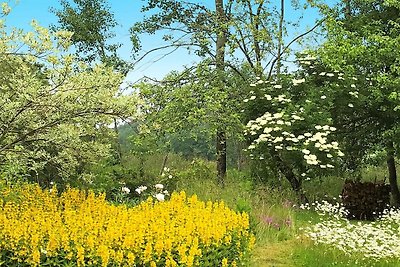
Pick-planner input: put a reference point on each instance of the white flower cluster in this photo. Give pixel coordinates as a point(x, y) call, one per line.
point(166, 172)
point(307, 60)
point(141, 189)
point(280, 98)
point(299, 81)
point(125, 190)
point(159, 193)
point(373, 240)
point(275, 131)
point(324, 208)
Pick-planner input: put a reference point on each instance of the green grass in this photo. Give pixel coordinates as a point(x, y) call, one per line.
point(307, 254)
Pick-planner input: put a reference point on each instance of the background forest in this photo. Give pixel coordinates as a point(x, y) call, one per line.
point(276, 117)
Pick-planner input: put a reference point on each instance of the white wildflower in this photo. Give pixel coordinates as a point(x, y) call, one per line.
point(140, 189)
point(125, 190)
point(160, 197)
point(159, 186)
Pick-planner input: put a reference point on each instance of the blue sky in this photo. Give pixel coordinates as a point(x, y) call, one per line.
point(126, 13)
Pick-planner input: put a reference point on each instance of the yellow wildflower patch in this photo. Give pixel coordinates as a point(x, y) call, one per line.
point(84, 229)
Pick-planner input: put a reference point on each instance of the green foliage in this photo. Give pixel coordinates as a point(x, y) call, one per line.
point(198, 170)
point(252, 36)
point(364, 45)
point(55, 110)
point(191, 100)
point(91, 21)
point(235, 41)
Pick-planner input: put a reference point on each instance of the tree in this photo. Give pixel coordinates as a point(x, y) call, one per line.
point(364, 43)
point(92, 22)
point(53, 107)
point(220, 68)
point(218, 35)
point(294, 126)
point(190, 109)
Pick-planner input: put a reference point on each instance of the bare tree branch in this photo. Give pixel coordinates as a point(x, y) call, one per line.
point(289, 44)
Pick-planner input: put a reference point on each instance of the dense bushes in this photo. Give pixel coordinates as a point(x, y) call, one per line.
point(77, 229)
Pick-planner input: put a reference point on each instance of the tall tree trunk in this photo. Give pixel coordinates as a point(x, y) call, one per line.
point(117, 144)
point(220, 65)
point(221, 157)
point(256, 37)
point(280, 39)
point(392, 174)
point(347, 9)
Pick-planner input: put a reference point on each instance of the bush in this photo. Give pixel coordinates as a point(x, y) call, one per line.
point(76, 229)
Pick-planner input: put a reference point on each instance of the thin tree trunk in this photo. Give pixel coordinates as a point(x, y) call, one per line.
point(221, 157)
point(117, 143)
point(392, 174)
point(141, 166)
point(164, 163)
point(256, 36)
point(280, 39)
point(220, 65)
point(347, 9)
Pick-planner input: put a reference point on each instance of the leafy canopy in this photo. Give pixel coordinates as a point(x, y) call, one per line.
point(53, 108)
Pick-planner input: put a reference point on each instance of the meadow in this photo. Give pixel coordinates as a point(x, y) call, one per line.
point(208, 220)
point(280, 225)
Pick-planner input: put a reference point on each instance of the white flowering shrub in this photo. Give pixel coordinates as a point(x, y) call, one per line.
point(157, 191)
point(296, 118)
point(132, 194)
point(293, 130)
point(372, 241)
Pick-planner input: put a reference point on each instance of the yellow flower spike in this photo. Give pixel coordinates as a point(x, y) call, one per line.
point(80, 256)
point(170, 262)
point(35, 257)
point(224, 262)
point(147, 255)
point(131, 258)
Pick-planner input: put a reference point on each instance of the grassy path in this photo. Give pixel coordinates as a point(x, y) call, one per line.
point(276, 254)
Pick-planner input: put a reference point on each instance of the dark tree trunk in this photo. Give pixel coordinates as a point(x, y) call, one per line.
point(220, 65)
point(164, 163)
point(117, 144)
point(347, 9)
point(290, 176)
point(392, 174)
point(221, 157)
point(141, 166)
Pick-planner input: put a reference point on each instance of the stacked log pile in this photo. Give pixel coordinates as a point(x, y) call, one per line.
point(365, 200)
